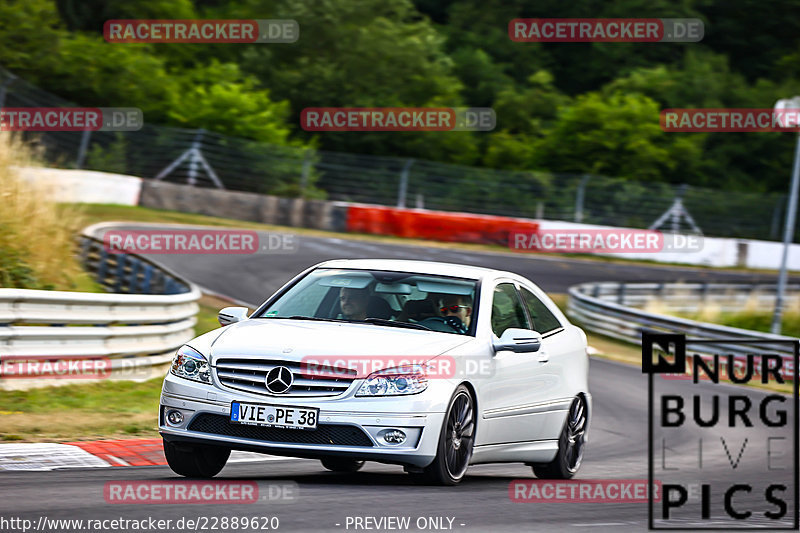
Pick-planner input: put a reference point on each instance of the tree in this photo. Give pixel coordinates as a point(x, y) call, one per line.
point(616, 135)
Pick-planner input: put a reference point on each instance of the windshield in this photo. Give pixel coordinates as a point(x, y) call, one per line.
point(386, 298)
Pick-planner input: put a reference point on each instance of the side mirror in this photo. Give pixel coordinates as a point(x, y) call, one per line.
point(229, 315)
point(518, 340)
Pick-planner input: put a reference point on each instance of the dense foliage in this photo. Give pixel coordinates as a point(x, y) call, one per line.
point(572, 107)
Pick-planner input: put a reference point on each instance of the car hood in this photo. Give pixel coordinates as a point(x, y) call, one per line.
point(294, 339)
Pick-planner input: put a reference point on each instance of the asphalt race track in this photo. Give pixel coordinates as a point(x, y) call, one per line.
point(252, 278)
point(324, 500)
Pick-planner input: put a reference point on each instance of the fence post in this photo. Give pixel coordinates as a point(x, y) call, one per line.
point(85, 136)
point(193, 161)
point(304, 173)
point(579, 198)
point(776, 217)
point(4, 88)
point(403, 187)
point(788, 237)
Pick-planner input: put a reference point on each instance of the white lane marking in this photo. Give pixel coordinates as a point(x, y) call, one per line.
point(600, 524)
point(117, 460)
point(249, 457)
point(368, 247)
point(46, 456)
point(322, 247)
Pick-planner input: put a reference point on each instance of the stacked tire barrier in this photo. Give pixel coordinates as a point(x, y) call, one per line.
point(296, 212)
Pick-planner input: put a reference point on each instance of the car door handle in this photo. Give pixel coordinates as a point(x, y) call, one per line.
point(542, 357)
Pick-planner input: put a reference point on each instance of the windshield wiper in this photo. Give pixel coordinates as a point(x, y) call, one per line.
point(392, 323)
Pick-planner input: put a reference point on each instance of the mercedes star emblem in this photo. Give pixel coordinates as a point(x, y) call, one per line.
point(279, 380)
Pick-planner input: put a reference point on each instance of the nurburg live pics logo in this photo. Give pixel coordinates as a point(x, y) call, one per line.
point(726, 455)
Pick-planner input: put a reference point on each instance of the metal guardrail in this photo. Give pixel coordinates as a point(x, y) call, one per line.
point(606, 308)
point(134, 331)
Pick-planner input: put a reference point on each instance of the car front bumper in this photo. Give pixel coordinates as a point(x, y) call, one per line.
point(347, 426)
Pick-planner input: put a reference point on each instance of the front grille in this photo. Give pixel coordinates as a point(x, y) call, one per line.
point(337, 434)
point(249, 375)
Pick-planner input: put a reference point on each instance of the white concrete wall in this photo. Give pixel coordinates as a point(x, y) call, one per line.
point(767, 254)
point(715, 252)
point(86, 186)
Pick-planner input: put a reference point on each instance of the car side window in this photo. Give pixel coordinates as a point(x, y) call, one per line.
point(507, 310)
point(543, 320)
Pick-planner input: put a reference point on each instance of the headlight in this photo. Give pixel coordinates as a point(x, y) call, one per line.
point(394, 382)
point(190, 364)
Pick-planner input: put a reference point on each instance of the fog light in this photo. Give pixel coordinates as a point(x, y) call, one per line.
point(175, 418)
point(394, 436)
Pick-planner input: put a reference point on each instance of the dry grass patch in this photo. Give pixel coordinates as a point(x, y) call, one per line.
point(37, 246)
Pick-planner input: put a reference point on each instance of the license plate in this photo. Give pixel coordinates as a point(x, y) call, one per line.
point(279, 416)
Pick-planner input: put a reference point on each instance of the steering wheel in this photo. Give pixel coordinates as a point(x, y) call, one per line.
point(451, 322)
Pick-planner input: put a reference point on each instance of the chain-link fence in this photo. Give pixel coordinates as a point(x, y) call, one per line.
point(209, 159)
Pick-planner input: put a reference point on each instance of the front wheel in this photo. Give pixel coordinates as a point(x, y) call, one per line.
point(195, 461)
point(455, 442)
point(570, 445)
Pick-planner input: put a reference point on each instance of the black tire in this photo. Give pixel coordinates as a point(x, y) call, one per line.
point(571, 444)
point(455, 442)
point(195, 461)
point(342, 464)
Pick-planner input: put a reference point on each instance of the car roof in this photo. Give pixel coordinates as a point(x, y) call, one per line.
point(416, 267)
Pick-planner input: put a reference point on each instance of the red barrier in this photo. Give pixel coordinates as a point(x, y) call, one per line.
point(435, 225)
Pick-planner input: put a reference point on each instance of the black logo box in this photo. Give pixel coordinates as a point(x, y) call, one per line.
point(663, 366)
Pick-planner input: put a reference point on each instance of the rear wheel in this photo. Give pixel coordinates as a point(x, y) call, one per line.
point(342, 464)
point(195, 460)
point(455, 442)
point(570, 445)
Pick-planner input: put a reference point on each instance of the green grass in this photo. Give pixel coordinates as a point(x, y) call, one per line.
point(755, 321)
point(101, 397)
point(207, 315)
point(106, 409)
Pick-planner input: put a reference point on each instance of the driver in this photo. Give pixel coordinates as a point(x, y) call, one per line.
point(354, 303)
point(459, 306)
